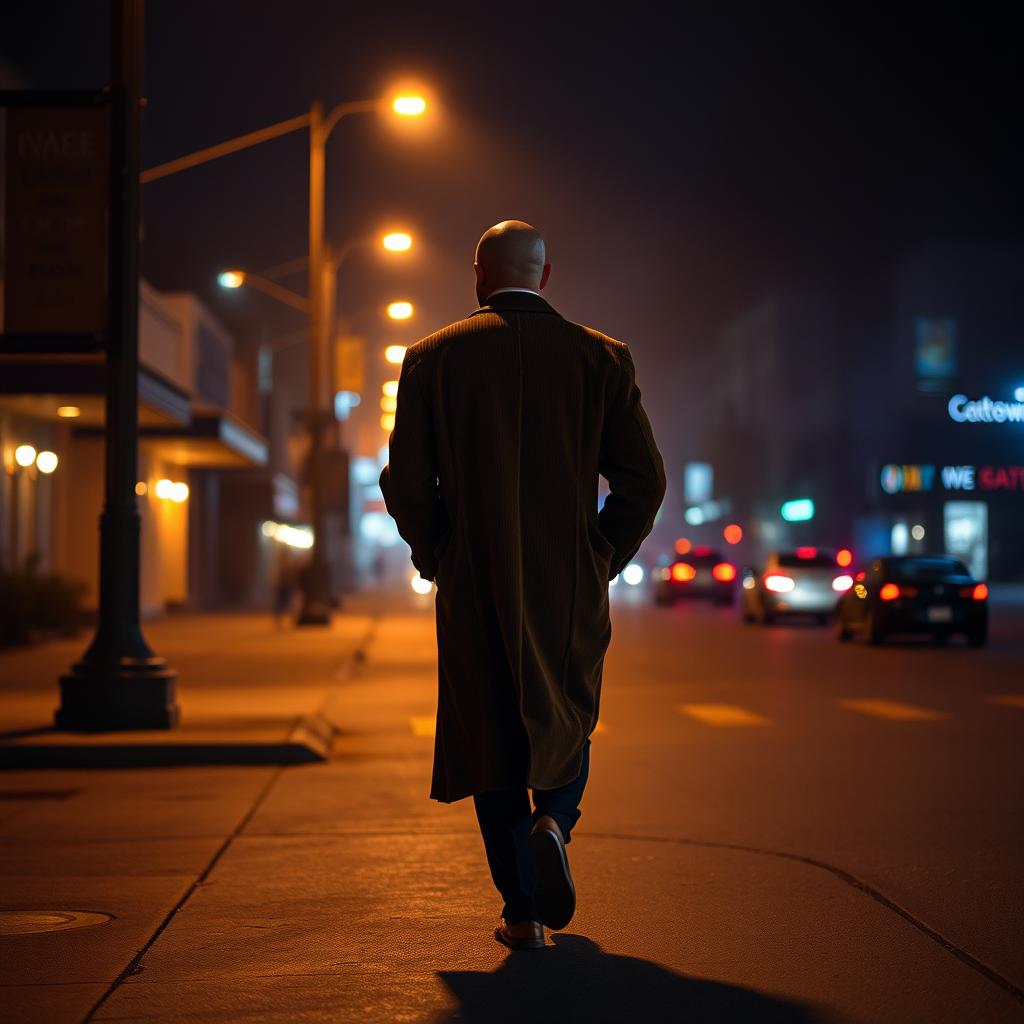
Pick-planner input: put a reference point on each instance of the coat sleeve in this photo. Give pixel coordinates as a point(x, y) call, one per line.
point(409, 482)
point(632, 465)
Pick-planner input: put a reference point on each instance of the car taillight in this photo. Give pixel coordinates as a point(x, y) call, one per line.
point(844, 558)
point(889, 592)
point(806, 552)
point(778, 584)
point(841, 583)
point(979, 592)
point(683, 572)
point(724, 572)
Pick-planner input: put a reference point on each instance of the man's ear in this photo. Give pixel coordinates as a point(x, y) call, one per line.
point(544, 275)
point(479, 271)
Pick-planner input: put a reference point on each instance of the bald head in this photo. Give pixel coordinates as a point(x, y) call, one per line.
point(511, 254)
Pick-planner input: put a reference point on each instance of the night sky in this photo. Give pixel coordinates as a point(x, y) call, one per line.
point(680, 164)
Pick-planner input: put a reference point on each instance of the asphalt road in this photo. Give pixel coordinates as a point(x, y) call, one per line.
point(900, 765)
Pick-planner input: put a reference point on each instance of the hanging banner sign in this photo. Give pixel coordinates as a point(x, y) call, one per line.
point(56, 184)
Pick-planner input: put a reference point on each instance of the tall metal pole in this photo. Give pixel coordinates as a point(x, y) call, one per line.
point(316, 604)
point(120, 683)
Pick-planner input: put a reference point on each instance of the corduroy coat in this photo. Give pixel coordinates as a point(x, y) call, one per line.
point(504, 422)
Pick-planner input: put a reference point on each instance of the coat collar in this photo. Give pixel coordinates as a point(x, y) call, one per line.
point(516, 302)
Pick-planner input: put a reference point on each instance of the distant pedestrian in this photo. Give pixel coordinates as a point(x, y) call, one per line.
point(504, 421)
point(284, 590)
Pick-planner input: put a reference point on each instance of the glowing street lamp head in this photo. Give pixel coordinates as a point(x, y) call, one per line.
point(409, 106)
point(390, 388)
point(231, 279)
point(46, 462)
point(400, 310)
point(397, 241)
point(395, 354)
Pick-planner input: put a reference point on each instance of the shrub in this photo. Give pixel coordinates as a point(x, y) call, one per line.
point(31, 603)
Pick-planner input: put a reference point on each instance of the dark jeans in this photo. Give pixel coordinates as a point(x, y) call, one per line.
point(505, 822)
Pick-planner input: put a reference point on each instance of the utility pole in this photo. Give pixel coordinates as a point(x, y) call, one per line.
point(119, 682)
point(316, 598)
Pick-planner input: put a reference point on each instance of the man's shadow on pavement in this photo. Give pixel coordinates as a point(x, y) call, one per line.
point(577, 981)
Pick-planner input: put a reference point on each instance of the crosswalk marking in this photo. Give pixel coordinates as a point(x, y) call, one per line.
point(892, 710)
point(1011, 700)
point(423, 725)
point(722, 714)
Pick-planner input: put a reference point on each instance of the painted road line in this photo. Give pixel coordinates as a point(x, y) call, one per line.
point(891, 710)
point(1010, 700)
point(722, 714)
point(423, 725)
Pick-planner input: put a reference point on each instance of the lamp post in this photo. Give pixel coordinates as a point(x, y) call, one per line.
point(317, 592)
point(119, 683)
point(316, 605)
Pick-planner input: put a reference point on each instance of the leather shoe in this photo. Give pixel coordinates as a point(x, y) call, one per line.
point(554, 895)
point(521, 935)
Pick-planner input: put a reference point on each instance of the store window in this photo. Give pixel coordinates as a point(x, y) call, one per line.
point(966, 526)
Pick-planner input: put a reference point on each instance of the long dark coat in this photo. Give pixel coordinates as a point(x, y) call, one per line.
point(504, 421)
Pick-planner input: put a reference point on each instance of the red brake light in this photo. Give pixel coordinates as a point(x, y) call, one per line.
point(683, 572)
point(806, 552)
point(702, 551)
point(979, 593)
point(889, 592)
point(841, 583)
point(724, 572)
point(778, 584)
point(844, 558)
point(861, 576)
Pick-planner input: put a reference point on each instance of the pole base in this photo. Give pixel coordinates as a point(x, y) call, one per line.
point(129, 694)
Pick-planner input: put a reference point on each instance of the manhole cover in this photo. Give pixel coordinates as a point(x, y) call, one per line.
point(28, 922)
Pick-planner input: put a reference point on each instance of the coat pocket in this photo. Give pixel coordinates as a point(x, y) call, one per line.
point(602, 546)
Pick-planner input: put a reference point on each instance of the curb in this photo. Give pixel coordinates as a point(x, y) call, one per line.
point(309, 741)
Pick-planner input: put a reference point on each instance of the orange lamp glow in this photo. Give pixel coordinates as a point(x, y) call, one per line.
point(683, 546)
point(889, 592)
point(844, 558)
point(400, 310)
point(980, 592)
point(724, 572)
point(409, 106)
point(733, 534)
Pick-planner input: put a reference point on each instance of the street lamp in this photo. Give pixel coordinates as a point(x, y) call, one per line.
point(395, 354)
point(400, 310)
point(397, 241)
point(316, 609)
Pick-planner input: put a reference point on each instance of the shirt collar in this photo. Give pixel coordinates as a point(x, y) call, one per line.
point(498, 291)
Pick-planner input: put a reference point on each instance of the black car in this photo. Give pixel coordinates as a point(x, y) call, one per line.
point(701, 572)
point(931, 594)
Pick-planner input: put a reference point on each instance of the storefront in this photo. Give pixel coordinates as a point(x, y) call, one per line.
point(964, 493)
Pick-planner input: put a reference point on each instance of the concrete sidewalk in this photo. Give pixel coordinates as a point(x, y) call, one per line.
point(338, 892)
point(249, 692)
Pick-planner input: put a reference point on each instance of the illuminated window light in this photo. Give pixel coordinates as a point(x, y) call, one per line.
point(390, 388)
point(24, 455)
point(68, 412)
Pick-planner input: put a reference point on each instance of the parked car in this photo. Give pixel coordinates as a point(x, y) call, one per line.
point(930, 594)
point(702, 572)
point(801, 582)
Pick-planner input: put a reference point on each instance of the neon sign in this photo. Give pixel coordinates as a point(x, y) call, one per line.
point(986, 410)
point(896, 479)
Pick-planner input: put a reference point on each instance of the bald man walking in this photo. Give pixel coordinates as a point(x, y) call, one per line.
point(505, 420)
